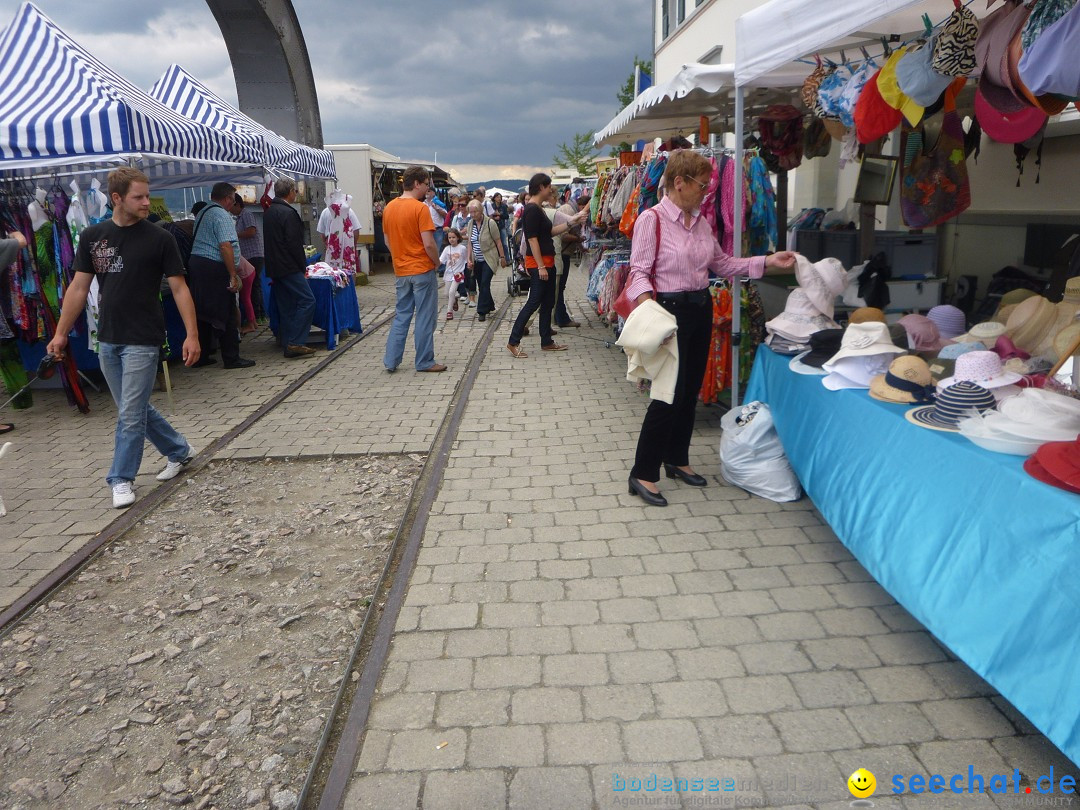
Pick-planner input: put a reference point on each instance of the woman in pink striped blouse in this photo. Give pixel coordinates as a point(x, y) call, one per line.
point(686, 252)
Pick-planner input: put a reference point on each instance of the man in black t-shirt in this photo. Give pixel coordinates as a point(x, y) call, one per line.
point(128, 256)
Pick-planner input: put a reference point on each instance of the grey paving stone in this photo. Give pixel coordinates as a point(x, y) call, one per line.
point(476, 643)
point(708, 662)
point(381, 790)
point(564, 569)
point(661, 740)
point(900, 684)
point(647, 585)
point(417, 646)
point(789, 626)
point(760, 694)
point(665, 635)
point(510, 670)
point(539, 640)
point(851, 622)
point(570, 612)
point(536, 591)
point(419, 751)
point(772, 657)
point(891, 724)
point(440, 675)
point(465, 790)
point(550, 789)
point(483, 554)
point(814, 574)
point(859, 594)
point(821, 690)
point(803, 597)
point(969, 718)
point(906, 648)
point(738, 736)
point(547, 705)
point(584, 743)
point(403, 710)
point(634, 785)
point(623, 702)
point(485, 707)
point(955, 756)
point(689, 606)
point(840, 653)
point(534, 551)
point(680, 543)
point(957, 680)
point(584, 549)
point(593, 588)
point(641, 666)
point(794, 778)
point(512, 746)
point(373, 751)
point(720, 560)
point(617, 566)
point(773, 556)
point(510, 571)
point(510, 615)
point(1034, 755)
point(481, 593)
point(602, 638)
point(883, 762)
point(578, 669)
point(745, 603)
point(613, 611)
point(727, 631)
point(668, 563)
point(689, 699)
point(815, 730)
point(897, 619)
point(449, 617)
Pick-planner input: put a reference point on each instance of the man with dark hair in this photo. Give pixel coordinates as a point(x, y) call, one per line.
point(283, 240)
point(570, 247)
point(212, 273)
point(409, 231)
point(129, 256)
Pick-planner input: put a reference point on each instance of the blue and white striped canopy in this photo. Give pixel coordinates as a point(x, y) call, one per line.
point(59, 104)
point(185, 94)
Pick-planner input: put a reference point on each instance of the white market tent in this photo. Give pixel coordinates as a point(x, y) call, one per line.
point(182, 92)
point(64, 111)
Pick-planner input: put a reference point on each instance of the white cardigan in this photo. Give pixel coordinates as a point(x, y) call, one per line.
point(649, 353)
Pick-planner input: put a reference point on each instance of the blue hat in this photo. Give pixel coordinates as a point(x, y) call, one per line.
point(918, 80)
point(951, 406)
point(951, 351)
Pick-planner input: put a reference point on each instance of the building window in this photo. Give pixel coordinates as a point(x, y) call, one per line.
point(680, 14)
point(665, 22)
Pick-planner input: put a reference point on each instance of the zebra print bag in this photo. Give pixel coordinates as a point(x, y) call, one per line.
point(954, 46)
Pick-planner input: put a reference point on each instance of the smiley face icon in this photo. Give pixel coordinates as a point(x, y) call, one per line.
point(862, 784)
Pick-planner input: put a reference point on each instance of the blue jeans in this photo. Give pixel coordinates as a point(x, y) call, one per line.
point(440, 240)
point(130, 373)
point(296, 308)
point(419, 294)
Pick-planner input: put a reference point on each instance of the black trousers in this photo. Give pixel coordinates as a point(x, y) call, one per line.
point(562, 315)
point(485, 304)
point(667, 429)
point(542, 297)
point(228, 339)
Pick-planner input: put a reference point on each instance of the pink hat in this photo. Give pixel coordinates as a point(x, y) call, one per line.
point(923, 333)
point(981, 368)
point(1007, 350)
point(1012, 127)
point(996, 31)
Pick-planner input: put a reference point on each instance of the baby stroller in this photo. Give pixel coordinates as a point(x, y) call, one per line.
point(517, 280)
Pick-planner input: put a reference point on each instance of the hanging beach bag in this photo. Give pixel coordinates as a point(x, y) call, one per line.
point(934, 186)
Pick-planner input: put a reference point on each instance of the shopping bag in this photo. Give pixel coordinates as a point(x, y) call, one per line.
point(752, 457)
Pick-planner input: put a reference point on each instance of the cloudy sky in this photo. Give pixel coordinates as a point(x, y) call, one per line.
point(490, 86)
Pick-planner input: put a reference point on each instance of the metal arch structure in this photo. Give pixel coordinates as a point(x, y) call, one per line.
point(274, 82)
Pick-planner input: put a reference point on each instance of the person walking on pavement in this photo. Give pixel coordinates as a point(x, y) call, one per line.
point(679, 263)
point(410, 234)
point(540, 262)
point(453, 259)
point(486, 251)
point(500, 212)
point(128, 256)
point(251, 248)
point(571, 242)
point(214, 279)
point(283, 235)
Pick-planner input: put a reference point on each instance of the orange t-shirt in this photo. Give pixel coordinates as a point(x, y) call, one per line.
point(404, 219)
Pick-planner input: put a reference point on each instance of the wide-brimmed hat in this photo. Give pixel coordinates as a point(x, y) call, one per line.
point(855, 372)
point(986, 333)
point(984, 368)
point(1060, 464)
point(797, 365)
point(800, 318)
point(1064, 316)
point(1030, 321)
point(1072, 290)
point(992, 51)
point(923, 334)
point(873, 117)
point(906, 382)
point(865, 314)
point(950, 320)
point(918, 80)
point(1065, 339)
point(862, 340)
point(1012, 126)
point(822, 281)
point(1036, 413)
point(1036, 470)
point(1013, 297)
point(823, 345)
point(1049, 64)
point(951, 405)
point(899, 337)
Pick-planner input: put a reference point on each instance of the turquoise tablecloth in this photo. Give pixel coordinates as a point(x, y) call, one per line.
point(986, 557)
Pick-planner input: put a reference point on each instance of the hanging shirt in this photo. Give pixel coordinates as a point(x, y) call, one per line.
point(338, 224)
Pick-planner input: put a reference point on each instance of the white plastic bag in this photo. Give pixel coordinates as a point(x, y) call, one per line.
point(752, 457)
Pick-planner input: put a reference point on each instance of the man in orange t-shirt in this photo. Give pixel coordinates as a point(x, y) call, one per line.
point(410, 235)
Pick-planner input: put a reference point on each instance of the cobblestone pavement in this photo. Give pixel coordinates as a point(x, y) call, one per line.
point(559, 639)
point(53, 480)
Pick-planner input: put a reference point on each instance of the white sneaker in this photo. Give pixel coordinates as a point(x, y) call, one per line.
point(173, 468)
point(123, 495)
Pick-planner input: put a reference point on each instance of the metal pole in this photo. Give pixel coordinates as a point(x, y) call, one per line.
point(736, 283)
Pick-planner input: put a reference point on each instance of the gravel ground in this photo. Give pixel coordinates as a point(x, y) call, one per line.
point(195, 661)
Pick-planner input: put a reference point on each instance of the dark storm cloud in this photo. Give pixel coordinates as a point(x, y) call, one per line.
point(480, 81)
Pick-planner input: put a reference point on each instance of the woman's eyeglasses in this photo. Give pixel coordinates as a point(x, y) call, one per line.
point(703, 185)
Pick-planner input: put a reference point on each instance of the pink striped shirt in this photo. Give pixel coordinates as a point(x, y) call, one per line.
point(686, 255)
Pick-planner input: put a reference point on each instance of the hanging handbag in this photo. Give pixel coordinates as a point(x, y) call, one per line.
point(624, 305)
point(935, 185)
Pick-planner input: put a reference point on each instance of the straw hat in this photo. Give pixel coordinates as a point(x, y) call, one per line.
point(984, 368)
point(1072, 290)
point(951, 405)
point(1016, 296)
point(1030, 321)
point(1064, 339)
point(986, 332)
point(1065, 315)
point(864, 314)
point(907, 381)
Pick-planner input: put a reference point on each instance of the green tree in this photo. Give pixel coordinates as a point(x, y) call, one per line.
point(577, 155)
point(626, 92)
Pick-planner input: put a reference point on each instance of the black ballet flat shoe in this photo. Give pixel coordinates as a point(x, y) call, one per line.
point(693, 479)
point(651, 498)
